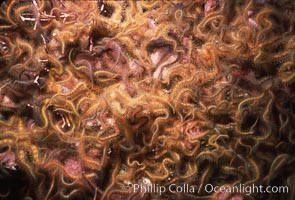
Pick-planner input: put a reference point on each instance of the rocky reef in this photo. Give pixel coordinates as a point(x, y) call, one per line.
point(99, 97)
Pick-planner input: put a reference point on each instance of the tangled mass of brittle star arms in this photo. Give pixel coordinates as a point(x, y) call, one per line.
point(97, 96)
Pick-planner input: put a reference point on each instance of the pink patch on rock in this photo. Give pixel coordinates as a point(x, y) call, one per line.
point(84, 107)
point(222, 195)
point(252, 22)
point(65, 90)
point(236, 197)
point(192, 130)
point(73, 166)
point(152, 24)
point(188, 144)
point(195, 131)
point(8, 160)
point(97, 65)
point(210, 5)
point(94, 153)
point(224, 79)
